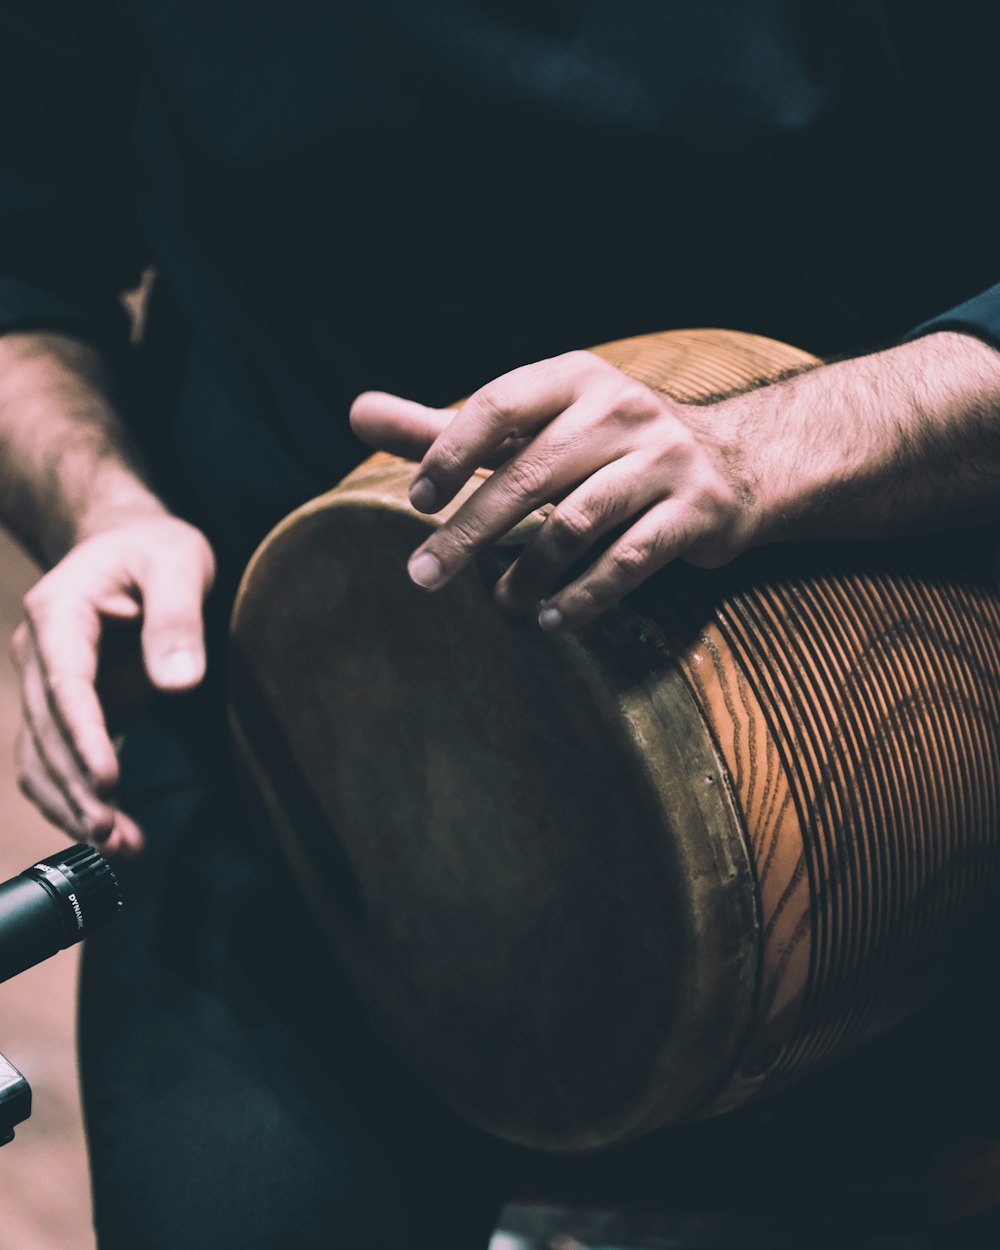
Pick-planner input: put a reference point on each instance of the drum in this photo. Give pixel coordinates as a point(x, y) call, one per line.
point(593, 885)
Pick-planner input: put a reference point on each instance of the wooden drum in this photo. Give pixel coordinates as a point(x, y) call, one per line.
point(597, 884)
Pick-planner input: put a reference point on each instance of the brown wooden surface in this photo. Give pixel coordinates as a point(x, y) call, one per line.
point(44, 1187)
point(738, 827)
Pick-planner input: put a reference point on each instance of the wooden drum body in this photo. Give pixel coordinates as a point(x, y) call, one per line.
point(593, 885)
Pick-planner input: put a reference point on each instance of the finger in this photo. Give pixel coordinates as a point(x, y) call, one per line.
point(119, 606)
point(173, 637)
point(607, 499)
point(39, 788)
point(555, 461)
point(396, 425)
point(660, 535)
point(126, 837)
point(63, 641)
point(62, 764)
point(515, 404)
point(405, 428)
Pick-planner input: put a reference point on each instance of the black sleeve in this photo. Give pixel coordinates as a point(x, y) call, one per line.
point(68, 241)
point(979, 316)
point(946, 58)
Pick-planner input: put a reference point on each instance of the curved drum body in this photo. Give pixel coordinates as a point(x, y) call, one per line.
point(598, 884)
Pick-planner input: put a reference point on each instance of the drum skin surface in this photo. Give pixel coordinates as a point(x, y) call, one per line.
point(593, 885)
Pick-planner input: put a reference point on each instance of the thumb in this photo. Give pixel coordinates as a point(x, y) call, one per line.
point(173, 635)
point(396, 425)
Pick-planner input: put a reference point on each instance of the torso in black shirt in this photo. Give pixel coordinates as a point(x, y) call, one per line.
point(416, 198)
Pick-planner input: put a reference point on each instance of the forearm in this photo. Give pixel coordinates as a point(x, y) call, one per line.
point(66, 468)
point(74, 493)
point(903, 441)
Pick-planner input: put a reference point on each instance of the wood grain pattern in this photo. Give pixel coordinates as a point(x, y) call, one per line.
point(804, 837)
point(856, 709)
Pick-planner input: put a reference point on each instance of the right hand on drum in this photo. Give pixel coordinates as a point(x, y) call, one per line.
point(898, 442)
point(154, 571)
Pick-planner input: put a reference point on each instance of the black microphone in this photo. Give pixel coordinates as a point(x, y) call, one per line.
point(52, 904)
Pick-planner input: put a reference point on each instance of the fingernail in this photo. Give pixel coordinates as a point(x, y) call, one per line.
point(426, 570)
point(424, 495)
point(551, 619)
point(179, 668)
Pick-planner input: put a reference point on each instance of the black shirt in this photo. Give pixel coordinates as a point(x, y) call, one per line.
point(418, 197)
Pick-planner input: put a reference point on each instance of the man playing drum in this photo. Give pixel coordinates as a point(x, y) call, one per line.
point(419, 203)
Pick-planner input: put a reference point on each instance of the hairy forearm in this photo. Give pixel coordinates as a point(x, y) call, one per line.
point(66, 468)
point(902, 441)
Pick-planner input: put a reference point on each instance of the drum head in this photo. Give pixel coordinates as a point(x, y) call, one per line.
point(474, 821)
point(524, 849)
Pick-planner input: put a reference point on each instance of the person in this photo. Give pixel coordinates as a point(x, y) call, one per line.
point(414, 204)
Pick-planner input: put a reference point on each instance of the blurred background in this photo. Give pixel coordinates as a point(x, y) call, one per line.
point(44, 1190)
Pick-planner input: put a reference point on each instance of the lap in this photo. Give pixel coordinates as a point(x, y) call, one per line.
point(234, 1094)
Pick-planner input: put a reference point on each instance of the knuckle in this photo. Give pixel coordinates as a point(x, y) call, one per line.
point(445, 460)
point(105, 775)
point(634, 402)
point(629, 558)
point(676, 446)
point(584, 601)
point(570, 524)
point(492, 405)
point(456, 539)
point(192, 537)
point(525, 477)
point(37, 602)
point(715, 502)
point(580, 360)
point(713, 545)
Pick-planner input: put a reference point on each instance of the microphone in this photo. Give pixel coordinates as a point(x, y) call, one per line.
point(51, 905)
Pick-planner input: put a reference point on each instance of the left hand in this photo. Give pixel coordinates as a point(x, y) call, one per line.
point(609, 449)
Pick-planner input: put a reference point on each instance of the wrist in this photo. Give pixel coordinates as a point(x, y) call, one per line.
point(899, 441)
point(38, 363)
point(816, 443)
point(118, 498)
